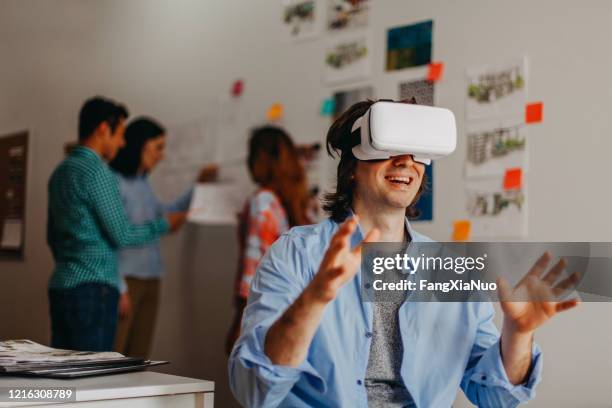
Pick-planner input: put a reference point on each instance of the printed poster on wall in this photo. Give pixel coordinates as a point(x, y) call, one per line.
point(300, 19)
point(344, 15)
point(496, 154)
point(422, 90)
point(347, 58)
point(494, 211)
point(497, 90)
point(495, 145)
point(409, 45)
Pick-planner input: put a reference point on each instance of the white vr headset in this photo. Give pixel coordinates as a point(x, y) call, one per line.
point(393, 129)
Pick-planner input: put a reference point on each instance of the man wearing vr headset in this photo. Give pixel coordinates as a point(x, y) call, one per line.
point(309, 339)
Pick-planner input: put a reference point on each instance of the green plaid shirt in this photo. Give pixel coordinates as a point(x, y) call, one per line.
point(87, 222)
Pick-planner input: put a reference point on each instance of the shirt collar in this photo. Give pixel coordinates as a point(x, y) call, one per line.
point(359, 234)
point(85, 151)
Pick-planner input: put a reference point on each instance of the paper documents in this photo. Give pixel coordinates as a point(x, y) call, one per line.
point(216, 203)
point(25, 357)
point(20, 353)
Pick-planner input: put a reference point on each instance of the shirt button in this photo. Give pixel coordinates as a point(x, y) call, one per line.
point(368, 334)
point(359, 382)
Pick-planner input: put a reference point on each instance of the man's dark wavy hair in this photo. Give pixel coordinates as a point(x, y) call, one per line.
point(340, 142)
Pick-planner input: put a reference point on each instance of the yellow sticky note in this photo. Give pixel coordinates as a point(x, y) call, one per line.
point(275, 112)
point(461, 230)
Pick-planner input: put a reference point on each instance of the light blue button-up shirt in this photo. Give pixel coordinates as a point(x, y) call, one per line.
point(141, 205)
point(446, 345)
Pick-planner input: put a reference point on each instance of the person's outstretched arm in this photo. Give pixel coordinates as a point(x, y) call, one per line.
point(268, 358)
point(288, 340)
point(105, 201)
point(504, 371)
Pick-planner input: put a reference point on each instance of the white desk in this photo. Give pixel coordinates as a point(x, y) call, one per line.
point(133, 390)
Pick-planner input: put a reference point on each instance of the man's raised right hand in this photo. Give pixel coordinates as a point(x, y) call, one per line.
point(340, 263)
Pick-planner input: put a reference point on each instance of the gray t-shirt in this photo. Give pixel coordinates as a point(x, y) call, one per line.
point(383, 381)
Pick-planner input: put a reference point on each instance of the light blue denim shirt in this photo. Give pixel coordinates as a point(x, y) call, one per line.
point(141, 205)
point(446, 346)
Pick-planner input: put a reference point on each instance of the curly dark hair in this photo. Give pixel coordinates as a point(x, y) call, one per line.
point(274, 163)
point(340, 142)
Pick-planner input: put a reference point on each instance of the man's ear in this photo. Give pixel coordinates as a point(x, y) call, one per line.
point(103, 129)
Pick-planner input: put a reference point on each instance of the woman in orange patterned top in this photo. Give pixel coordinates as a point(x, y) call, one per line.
point(280, 202)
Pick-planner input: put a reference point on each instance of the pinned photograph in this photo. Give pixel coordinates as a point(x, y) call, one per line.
point(495, 211)
point(409, 46)
point(347, 59)
point(422, 90)
point(347, 14)
point(300, 19)
point(497, 90)
point(494, 146)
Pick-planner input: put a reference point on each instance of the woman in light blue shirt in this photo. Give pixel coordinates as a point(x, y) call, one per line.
point(141, 267)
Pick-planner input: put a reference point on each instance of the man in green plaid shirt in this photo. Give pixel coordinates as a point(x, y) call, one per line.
point(86, 225)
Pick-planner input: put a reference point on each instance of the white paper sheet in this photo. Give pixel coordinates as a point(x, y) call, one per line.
point(494, 212)
point(12, 234)
point(216, 203)
point(301, 19)
point(348, 58)
point(496, 96)
point(14, 352)
point(497, 90)
point(189, 147)
point(495, 146)
point(344, 15)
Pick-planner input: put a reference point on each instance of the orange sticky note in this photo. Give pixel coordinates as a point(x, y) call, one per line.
point(435, 71)
point(275, 112)
point(513, 179)
point(461, 230)
point(534, 112)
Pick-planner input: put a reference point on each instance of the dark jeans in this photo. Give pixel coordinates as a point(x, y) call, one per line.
point(84, 318)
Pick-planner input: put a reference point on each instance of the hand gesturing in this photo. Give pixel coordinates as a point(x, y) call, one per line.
point(340, 263)
point(536, 292)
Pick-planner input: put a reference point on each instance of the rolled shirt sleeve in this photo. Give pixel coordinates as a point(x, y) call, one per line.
point(254, 379)
point(485, 381)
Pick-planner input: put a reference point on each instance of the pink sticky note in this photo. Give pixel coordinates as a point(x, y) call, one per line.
point(237, 87)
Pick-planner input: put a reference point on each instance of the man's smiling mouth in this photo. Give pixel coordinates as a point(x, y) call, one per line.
point(401, 180)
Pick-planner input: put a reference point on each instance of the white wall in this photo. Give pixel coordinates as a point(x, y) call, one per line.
point(170, 59)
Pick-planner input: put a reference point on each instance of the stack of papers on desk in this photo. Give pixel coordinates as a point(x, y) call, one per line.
point(25, 357)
